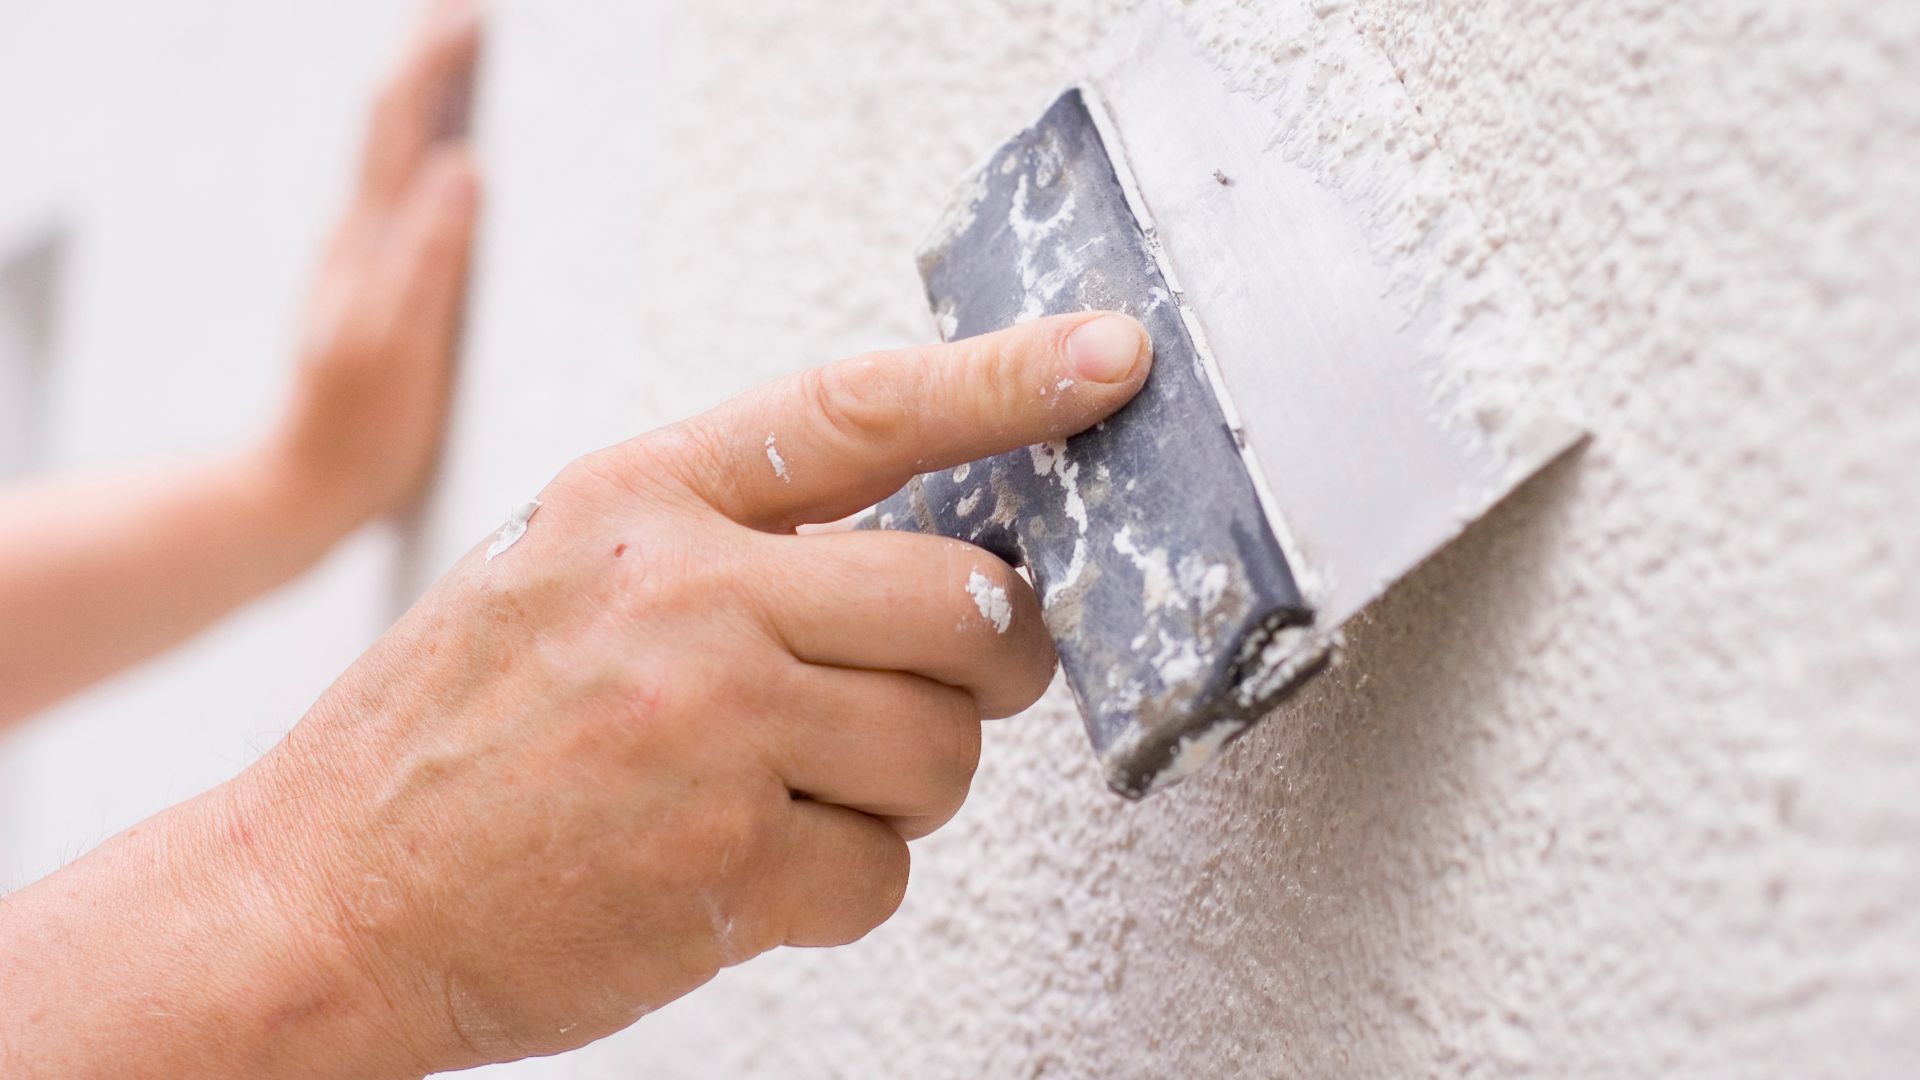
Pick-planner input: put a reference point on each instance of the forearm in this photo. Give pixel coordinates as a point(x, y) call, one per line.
point(99, 573)
point(178, 949)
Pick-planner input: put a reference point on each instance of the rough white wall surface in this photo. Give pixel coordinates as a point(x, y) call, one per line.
point(1623, 784)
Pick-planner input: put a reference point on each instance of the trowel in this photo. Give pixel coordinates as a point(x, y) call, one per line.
point(1315, 423)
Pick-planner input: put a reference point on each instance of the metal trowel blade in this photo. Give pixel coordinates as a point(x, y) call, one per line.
point(1345, 338)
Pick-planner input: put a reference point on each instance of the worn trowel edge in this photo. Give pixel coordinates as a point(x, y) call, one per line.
point(1273, 667)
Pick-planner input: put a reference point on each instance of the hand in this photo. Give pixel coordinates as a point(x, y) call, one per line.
point(662, 733)
point(100, 572)
point(384, 320)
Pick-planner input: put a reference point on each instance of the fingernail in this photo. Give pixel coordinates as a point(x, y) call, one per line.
point(1107, 349)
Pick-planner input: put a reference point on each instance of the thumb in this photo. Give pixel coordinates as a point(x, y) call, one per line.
point(829, 441)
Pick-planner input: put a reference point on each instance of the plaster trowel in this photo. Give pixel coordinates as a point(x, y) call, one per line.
point(1310, 430)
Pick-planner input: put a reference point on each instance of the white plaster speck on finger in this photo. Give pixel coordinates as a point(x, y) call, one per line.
point(779, 463)
point(515, 527)
point(992, 601)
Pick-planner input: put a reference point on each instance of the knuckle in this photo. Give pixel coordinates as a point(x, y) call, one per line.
point(723, 842)
point(852, 404)
point(730, 832)
point(692, 455)
point(996, 367)
point(586, 474)
point(989, 370)
point(632, 470)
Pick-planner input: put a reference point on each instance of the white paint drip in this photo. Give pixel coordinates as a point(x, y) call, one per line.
point(959, 213)
point(1051, 459)
point(1177, 661)
point(1156, 589)
point(779, 463)
point(992, 601)
point(514, 528)
point(1032, 233)
point(1075, 567)
point(1203, 581)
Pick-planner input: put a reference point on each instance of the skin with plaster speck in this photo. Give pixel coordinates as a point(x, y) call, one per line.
point(779, 463)
point(992, 601)
point(515, 527)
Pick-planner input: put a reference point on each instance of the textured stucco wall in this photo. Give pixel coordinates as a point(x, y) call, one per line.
point(1620, 785)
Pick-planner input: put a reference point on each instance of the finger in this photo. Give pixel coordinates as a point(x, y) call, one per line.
point(846, 873)
point(927, 605)
point(826, 442)
point(433, 244)
point(884, 743)
point(423, 102)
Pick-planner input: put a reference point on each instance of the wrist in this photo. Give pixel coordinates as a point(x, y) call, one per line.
point(174, 946)
point(306, 497)
point(323, 865)
point(326, 998)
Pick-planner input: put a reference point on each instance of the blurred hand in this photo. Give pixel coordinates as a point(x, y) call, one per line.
point(384, 320)
point(98, 572)
point(661, 733)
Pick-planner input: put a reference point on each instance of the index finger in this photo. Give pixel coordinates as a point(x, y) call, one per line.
point(829, 441)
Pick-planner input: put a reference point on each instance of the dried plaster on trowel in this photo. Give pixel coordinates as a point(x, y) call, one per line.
point(1051, 458)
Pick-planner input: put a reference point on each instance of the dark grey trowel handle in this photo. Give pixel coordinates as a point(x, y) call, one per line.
point(1169, 598)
